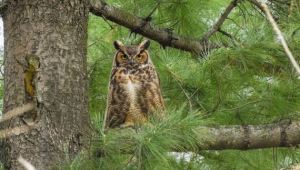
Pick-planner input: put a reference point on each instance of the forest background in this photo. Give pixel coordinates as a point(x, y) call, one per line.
point(244, 78)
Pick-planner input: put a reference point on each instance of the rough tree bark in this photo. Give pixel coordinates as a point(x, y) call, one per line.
point(56, 32)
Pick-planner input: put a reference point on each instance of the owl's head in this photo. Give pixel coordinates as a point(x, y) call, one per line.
point(131, 56)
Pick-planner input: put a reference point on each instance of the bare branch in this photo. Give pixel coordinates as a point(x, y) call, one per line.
point(16, 131)
point(280, 37)
point(140, 26)
point(27, 165)
point(282, 134)
point(257, 4)
point(17, 111)
point(221, 20)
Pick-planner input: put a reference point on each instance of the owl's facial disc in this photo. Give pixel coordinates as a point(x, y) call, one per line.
point(121, 58)
point(142, 57)
point(131, 56)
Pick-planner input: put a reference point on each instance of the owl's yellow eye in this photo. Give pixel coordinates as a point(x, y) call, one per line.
point(142, 55)
point(122, 56)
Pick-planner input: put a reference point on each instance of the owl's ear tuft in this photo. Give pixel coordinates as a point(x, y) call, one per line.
point(144, 45)
point(118, 45)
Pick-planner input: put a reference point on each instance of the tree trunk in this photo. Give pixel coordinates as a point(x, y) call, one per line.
point(55, 32)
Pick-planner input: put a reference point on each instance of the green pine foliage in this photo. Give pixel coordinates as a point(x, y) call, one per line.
point(249, 81)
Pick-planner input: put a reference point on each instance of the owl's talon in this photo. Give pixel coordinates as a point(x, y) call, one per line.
point(127, 125)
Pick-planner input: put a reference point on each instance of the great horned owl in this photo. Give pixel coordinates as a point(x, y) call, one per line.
point(134, 87)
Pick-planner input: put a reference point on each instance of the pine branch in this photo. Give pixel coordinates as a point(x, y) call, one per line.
point(145, 28)
point(240, 137)
point(221, 20)
point(281, 38)
point(282, 134)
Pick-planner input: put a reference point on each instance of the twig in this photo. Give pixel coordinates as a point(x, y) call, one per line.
point(221, 20)
point(149, 16)
point(146, 21)
point(232, 38)
point(178, 81)
point(110, 25)
point(280, 37)
point(226, 34)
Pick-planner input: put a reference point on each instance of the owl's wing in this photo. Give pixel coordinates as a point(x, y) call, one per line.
point(160, 93)
point(153, 95)
point(107, 115)
point(114, 115)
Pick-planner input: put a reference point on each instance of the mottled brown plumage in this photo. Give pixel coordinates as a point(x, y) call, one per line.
point(134, 88)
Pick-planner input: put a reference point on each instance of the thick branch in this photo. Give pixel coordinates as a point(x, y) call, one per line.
point(282, 134)
point(221, 20)
point(140, 26)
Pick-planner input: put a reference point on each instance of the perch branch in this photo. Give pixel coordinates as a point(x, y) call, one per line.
point(282, 134)
point(240, 137)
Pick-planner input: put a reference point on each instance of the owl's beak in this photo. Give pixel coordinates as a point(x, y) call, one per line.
point(131, 62)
